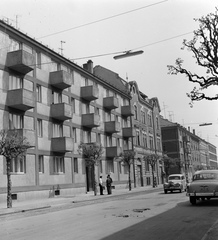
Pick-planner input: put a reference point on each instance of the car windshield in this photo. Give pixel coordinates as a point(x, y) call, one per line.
point(174, 178)
point(205, 176)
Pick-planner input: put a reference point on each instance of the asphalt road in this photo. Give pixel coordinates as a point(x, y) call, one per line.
point(149, 216)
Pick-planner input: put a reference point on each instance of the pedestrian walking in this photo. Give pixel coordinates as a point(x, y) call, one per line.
point(101, 186)
point(108, 184)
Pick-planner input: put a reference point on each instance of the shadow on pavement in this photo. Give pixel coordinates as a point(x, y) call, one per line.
point(181, 222)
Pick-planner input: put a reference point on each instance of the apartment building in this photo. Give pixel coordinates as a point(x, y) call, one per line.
point(144, 130)
point(146, 124)
point(181, 144)
point(57, 104)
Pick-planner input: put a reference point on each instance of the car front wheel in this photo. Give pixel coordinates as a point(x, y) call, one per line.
point(165, 191)
point(192, 200)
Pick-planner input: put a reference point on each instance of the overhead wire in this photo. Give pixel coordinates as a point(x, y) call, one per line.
point(103, 19)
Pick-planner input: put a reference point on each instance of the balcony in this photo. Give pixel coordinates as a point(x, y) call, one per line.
point(112, 152)
point(129, 132)
point(61, 111)
point(60, 79)
point(110, 103)
point(89, 93)
point(62, 144)
point(20, 61)
point(90, 120)
point(127, 111)
point(24, 133)
point(21, 99)
point(112, 127)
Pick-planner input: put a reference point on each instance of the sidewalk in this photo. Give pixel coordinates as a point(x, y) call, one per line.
point(21, 206)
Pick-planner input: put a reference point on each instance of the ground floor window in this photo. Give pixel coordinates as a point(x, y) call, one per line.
point(110, 166)
point(58, 165)
point(18, 165)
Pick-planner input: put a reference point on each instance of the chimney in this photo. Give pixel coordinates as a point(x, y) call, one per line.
point(189, 129)
point(194, 131)
point(88, 66)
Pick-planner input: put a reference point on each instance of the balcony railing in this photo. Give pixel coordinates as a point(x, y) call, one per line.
point(112, 152)
point(112, 127)
point(61, 111)
point(127, 111)
point(21, 99)
point(62, 144)
point(129, 132)
point(90, 120)
point(60, 79)
point(110, 102)
point(20, 61)
point(89, 93)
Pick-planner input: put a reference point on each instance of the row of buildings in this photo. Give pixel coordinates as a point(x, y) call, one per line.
point(57, 105)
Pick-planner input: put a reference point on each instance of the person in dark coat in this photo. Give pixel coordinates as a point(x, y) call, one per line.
point(101, 186)
point(109, 184)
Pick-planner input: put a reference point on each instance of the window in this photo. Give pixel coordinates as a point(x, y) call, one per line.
point(74, 134)
point(145, 140)
point(146, 166)
point(151, 142)
point(149, 120)
point(18, 165)
point(14, 45)
point(98, 137)
point(58, 165)
point(135, 112)
point(57, 97)
point(57, 130)
point(157, 123)
point(41, 164)
point(15, 82)
point(87, 136)
point(110, 166)
point(126, 169)
point(73, 105)
point(38, 93)
point(39, 128)
point(15, 121)
point(38, 60)
point(143, 117)
point(137, 138)
point(75, 165)
point(27, 48)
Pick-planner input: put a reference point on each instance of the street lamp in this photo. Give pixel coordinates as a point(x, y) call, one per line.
point(205, 124)
point(128, 54)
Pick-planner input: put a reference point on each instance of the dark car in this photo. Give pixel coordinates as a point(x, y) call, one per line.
point(204, 185)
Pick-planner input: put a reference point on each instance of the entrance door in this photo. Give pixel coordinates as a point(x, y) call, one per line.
point(139, 175)
point(90, 178)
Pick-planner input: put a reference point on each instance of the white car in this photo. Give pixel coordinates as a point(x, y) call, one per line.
point(175, 182)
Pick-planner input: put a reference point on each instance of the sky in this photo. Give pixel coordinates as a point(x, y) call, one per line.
point(98, 29)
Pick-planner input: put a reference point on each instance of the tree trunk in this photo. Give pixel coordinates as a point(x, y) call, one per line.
point(9, 183)
point(153, 177)
point(95, 182)
point(130, 185)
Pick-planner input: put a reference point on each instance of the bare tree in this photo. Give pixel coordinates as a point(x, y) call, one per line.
point(152, 160)
point(92, 153)
point(12, 146)
point(127, 158)
point(204, 47)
